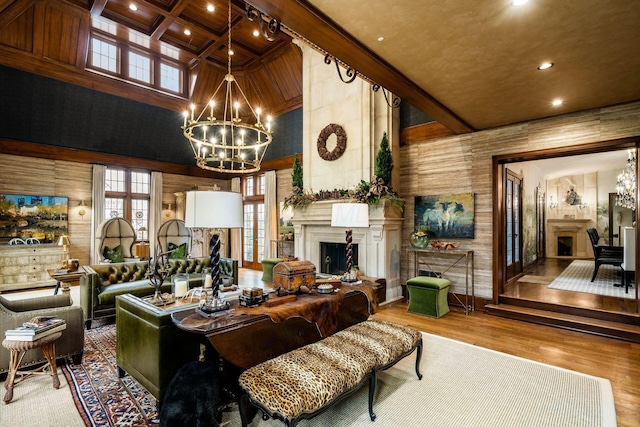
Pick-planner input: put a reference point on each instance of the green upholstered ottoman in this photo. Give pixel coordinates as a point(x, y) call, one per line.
point(428, 296)
point(267, 268)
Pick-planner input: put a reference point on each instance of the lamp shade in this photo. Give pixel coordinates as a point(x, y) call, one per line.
point(350, 215)
point(213, 209)
point(64, 240)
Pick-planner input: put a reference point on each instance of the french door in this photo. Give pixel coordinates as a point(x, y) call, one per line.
point(253, 236)
point(513, 224)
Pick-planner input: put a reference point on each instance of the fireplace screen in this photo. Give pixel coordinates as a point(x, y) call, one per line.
point(333, 258)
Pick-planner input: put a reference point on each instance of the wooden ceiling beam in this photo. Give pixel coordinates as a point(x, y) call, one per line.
point(305, 19)
point(97, 7)
point(14, 11)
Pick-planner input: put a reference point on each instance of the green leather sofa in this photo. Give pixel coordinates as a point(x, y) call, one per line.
point(150, 347)
point(104, 282)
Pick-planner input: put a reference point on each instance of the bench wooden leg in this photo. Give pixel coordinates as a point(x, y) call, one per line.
point(418, 358)
point(372, 392)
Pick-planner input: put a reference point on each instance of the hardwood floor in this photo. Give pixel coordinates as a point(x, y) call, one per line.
point(539, 292)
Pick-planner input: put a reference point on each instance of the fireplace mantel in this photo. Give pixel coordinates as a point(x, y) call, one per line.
point(379, 245)
point(574, 227)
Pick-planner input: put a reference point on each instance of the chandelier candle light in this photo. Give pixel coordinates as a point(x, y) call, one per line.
point(227, 144)
point(626, 185)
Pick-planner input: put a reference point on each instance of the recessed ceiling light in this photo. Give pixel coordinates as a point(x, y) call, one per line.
point(210, 8)
point(133, 7)
point(381, 38)
point(187, 32)
point(256, 33)
point(519, 2)
point(557, 102)
point(545, 65)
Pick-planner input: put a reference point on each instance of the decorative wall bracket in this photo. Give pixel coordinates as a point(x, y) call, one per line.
point(395, 101)
point(351, 74)
point(270, 31)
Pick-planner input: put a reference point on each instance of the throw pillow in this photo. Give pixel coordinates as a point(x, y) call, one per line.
point(177, 251)
point(113, 255)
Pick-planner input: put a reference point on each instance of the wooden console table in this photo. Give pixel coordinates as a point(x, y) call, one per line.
point(421, 257)
point(247, 336)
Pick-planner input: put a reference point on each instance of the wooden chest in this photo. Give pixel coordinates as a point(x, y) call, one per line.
point(289, 276)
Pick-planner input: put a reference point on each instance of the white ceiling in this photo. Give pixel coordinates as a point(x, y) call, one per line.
point(479, 58)
point(580, 164)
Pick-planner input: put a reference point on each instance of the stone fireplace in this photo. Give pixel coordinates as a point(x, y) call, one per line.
point(378, 245)
point(563, 233)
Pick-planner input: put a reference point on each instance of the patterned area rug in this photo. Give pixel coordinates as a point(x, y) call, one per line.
point(577, 278)
point(101, 397)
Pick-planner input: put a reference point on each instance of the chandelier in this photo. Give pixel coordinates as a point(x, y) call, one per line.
point(626, 185)
point(227, 144)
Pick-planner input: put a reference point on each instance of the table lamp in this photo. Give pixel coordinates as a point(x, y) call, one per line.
point(216, 210)
point(349, 215)
point(65, 243)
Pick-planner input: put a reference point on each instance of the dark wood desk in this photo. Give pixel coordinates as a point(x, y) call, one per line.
point(246, 336)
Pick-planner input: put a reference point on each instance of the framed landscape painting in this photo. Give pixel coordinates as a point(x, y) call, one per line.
point(446, 215)
point(26, 216)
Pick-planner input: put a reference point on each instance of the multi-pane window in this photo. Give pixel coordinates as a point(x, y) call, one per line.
point(170, 77)
point(127, 195)
point(139, 67)
point(104, 55)
point(133, 59)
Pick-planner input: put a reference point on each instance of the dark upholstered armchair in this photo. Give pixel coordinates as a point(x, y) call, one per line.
point(608, 255)
point(14, 313)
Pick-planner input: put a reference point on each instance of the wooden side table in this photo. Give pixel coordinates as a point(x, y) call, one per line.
point(65, 279)
point(18, 350)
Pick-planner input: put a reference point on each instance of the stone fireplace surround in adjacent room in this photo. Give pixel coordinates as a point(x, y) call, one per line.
point(575, 228)
point(378, 245)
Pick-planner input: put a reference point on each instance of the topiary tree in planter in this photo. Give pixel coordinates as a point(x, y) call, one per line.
point(384, 162)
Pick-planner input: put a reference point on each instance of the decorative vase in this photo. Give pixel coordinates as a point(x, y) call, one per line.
point(419, 240)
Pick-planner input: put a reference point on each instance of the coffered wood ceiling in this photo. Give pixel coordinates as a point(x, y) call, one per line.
point(468, 64)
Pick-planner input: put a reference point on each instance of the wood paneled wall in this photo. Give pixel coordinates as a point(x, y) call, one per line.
point(463, 163)
point(30, 175)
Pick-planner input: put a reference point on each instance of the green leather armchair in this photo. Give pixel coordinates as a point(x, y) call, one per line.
point(14, 313)
point(150, 347)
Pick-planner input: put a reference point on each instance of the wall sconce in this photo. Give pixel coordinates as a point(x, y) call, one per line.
point(82, 211)
point(552, 204)
point(168, 211)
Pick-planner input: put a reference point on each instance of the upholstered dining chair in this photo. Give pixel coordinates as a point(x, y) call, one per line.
point(603, 255)
point(628, 265)
point(173, 235)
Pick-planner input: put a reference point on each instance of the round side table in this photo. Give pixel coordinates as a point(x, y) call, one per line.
point(18, 350)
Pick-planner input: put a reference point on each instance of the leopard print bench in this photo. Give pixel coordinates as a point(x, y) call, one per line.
point(305, 382)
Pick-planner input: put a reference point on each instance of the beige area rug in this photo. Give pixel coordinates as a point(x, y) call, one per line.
point(463, 385)
point(539, 280)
